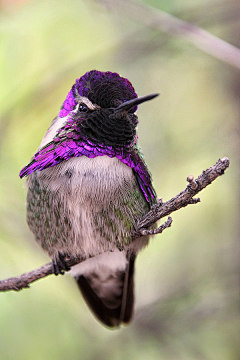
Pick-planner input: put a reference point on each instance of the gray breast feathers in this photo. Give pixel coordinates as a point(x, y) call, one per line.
point(84, 206)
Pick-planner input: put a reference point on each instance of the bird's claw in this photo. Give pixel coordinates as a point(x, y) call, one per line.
point(59, 264)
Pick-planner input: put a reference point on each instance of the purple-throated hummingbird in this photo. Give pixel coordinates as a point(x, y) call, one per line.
point(88, 185)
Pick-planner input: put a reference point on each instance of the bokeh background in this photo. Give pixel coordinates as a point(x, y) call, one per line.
point(187, 280)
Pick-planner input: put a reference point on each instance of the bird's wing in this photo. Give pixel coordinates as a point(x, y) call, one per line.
point(135, 159)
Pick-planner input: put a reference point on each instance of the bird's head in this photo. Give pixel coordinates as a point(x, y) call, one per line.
point(101, 107)
point(97, 118)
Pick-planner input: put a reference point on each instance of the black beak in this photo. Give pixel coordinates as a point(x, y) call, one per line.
point(126, 106)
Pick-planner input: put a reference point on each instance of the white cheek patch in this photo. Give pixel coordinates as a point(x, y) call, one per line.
point(56, 125)
point(59, 122)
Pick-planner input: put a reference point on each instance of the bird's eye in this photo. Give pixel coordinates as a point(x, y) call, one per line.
point(82, 107)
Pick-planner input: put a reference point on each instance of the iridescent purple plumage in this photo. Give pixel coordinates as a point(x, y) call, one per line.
point(88, 185)
point(107, 90)
point(58, 150)
point(88, 86)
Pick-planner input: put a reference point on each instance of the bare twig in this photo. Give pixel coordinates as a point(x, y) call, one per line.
point(159, 230)
point(23, 281)
point(157, 212)
point(160, 20)
point(184, 198)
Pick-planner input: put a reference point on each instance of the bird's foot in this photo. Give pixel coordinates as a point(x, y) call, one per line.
point(59, 264)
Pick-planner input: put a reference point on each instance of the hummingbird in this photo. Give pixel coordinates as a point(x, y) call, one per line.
point(88, 185)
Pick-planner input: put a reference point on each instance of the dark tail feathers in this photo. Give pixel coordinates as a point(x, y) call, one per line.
point(110, 298)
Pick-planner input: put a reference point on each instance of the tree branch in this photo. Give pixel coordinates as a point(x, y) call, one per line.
point(160, 20)
point(157, 212)
point(184, 198)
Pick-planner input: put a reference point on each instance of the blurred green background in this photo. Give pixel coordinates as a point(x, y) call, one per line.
point(187, 280)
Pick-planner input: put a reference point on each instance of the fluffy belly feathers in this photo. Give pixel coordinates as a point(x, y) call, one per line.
point(85, 206)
